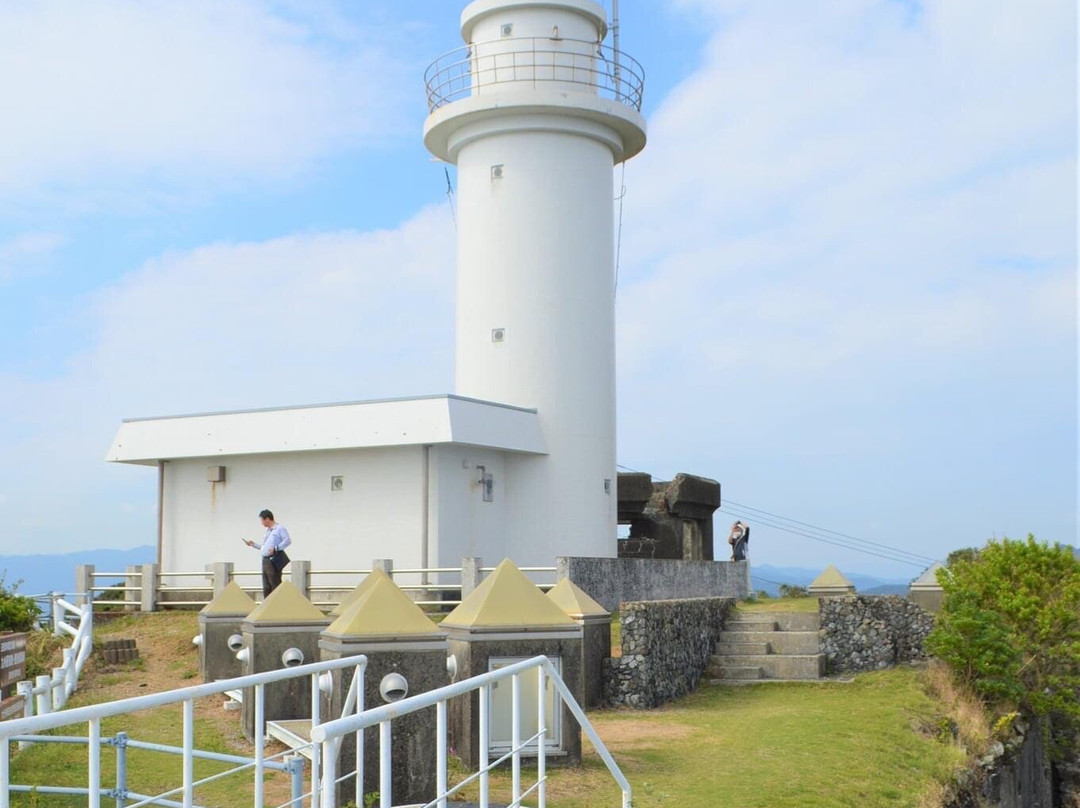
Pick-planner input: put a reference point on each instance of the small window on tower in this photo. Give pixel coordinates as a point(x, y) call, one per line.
point(507, 29)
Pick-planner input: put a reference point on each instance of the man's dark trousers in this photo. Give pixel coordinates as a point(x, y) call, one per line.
point(271, 576)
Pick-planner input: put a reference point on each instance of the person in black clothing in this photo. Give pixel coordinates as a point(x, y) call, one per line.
point(739, 539)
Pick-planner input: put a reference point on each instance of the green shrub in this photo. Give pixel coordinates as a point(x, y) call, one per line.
point(1010, 625)
point(17, 612)
point(793, 591)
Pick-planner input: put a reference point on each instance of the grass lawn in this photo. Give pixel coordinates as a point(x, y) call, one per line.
point(167, 660)
point(779, 605)
point(757, 746)
point(767, 746)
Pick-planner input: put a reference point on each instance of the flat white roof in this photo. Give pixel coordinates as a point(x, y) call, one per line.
point(350, 425)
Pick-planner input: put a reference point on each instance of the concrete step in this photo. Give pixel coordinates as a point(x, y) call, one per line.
point(295, 734)
point(776, 666)
point(737, 672)
point(728, 648)
point(786, 621)
point(751, 625)
point(780, 642)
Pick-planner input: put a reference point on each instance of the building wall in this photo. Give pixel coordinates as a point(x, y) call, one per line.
point(377, 514)
point(462, 524)
point(536, 261)
point(613, 581)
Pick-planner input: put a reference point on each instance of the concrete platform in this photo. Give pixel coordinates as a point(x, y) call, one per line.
point(776, 666)
point(295, 734)
point(779, 642)
point(743, 624)
point(743, 672)
point(724, 647)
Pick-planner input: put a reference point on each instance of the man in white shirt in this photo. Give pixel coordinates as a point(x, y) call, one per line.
point(274, 557)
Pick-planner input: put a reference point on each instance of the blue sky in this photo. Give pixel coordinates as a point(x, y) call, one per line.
point(848, 287)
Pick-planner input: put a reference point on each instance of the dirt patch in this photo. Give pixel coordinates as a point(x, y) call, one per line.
point(639, 733)
point(168, 660)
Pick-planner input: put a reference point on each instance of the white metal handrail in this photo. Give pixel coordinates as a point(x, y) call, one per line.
point(152, 589)
point(328, 734)
point(94, 714)
point(538, 61)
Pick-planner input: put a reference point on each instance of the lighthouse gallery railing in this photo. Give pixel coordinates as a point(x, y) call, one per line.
point(569, 64)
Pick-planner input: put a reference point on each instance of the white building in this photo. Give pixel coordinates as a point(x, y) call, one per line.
point(535, 113)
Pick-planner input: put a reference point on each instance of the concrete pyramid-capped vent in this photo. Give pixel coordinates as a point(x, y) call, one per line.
point(506, 599)
point(831, 579)
point(573, 600)
point(233, 601)
point(928, 580)
point(383, 611)
point(286, 605)
point(360, 590)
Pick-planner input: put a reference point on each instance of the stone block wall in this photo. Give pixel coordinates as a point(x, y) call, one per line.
point(666, 646)
point(866, 633)
point(612, 581)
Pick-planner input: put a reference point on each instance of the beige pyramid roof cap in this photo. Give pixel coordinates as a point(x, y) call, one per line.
point(573, 600)
point(232, 601)
point(507, 599)
point(360, 590)
point(928, 580)
point(831, 578)
point(384, 610)
point(286, 605)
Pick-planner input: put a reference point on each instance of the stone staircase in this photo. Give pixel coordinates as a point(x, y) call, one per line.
point(768, 645)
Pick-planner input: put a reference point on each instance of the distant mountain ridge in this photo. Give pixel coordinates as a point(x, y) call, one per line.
point(56, 573)
point(767, 577)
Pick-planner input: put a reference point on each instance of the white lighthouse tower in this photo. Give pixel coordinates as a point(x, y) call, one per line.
point(535, 112)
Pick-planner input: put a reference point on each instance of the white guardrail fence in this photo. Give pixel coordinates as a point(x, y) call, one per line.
point(47, 693)
point(323, 749)
point(148, 588)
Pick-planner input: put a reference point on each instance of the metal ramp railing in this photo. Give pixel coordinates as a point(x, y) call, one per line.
point(329, 736)
point(29, 731)
point(323, 747)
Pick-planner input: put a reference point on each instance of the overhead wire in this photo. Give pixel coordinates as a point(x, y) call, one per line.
point(827, 530)
point(813, 532)
point(618, 236)
point(450, 196)
point(777, 526)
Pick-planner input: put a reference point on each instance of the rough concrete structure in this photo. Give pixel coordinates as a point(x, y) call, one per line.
point(666, 647)
point(864, 633)
point(926, 591)
point(507, 619)
point(595, 622)
point(397, 638)
point(831, 583)
point(359, 591)
point(220, 619)
point(675, 521)
point(284, 620)
point(769, 645)
point(611, 581)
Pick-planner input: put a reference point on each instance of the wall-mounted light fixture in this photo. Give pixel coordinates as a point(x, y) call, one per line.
point(487, 483)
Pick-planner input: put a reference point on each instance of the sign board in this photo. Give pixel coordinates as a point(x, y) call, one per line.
point(12, 708)
point(12, 662)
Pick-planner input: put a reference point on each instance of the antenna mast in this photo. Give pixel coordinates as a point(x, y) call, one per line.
point(615, 43)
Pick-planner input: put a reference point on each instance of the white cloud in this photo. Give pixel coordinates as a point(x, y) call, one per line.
point(850, 245)
point(187, 96)
point(295, 320)
point(27, 254)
